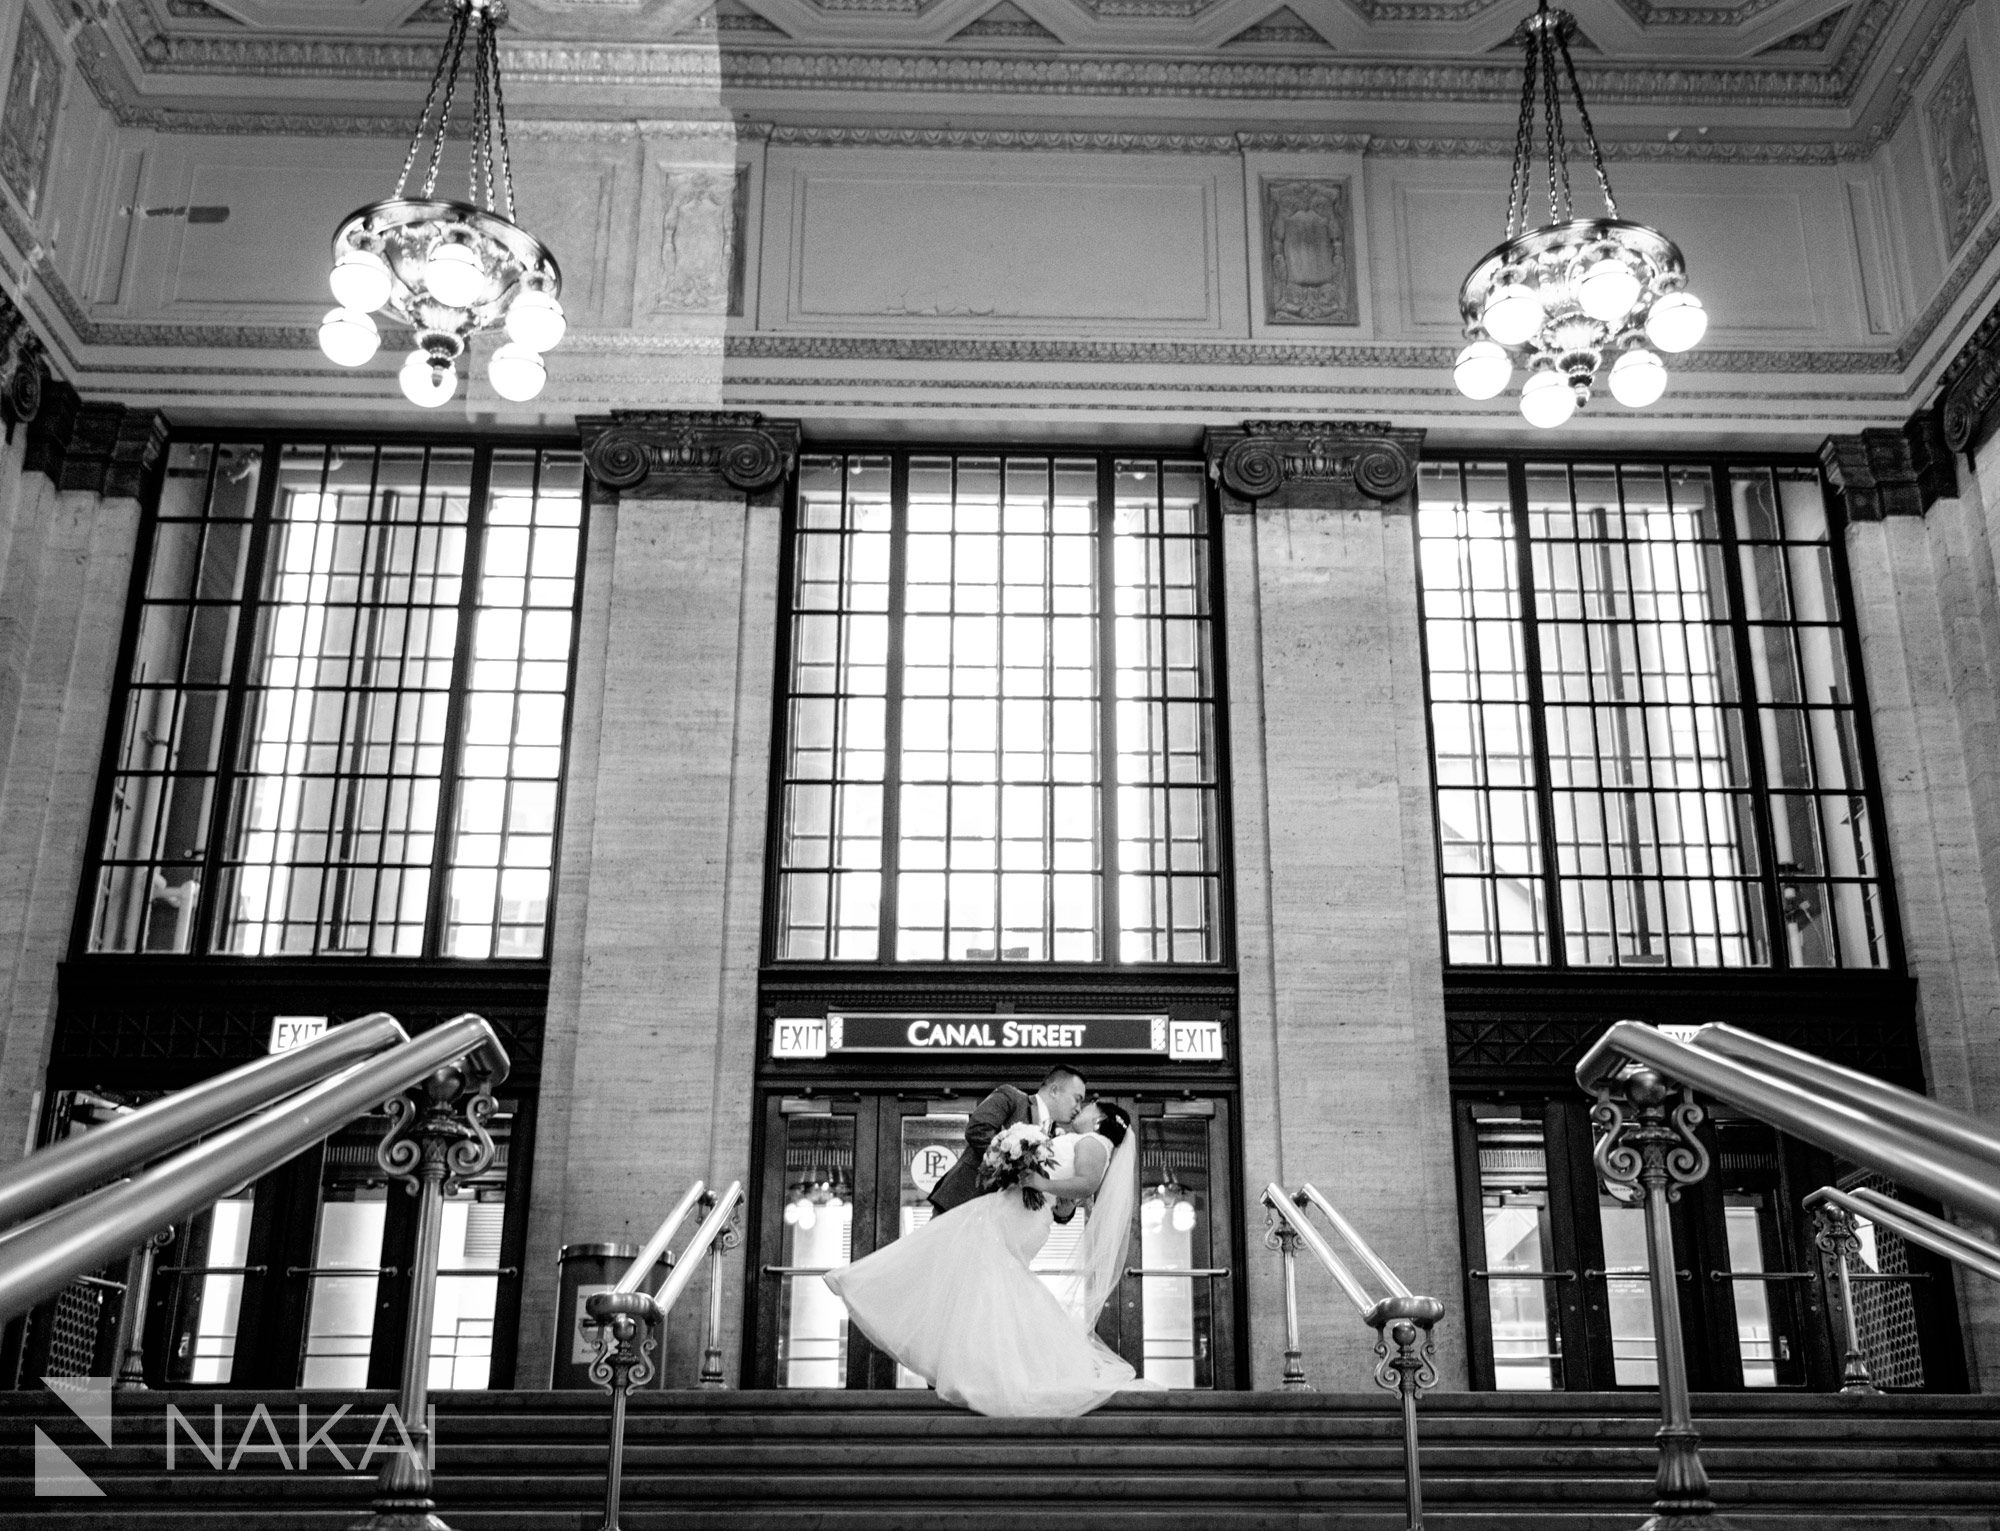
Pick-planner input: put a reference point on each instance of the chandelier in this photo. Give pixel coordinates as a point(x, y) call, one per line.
point(450, 269)
point(1558, 299)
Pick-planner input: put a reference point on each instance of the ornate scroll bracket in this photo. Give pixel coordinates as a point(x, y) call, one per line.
point(437, 1132)
point(661, 454)
point(23, 368)
point(1874, 474)
point(1316, 465)
point(1969, 412)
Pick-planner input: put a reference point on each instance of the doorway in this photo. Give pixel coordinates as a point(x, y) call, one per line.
point(845, 1174)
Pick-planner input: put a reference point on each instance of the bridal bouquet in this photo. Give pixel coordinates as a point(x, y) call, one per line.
point(1014, 1154)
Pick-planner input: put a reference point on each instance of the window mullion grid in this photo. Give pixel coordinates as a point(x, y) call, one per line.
point(892, 699)
point(1644, 788)
point(1777, 944)
point(1110, 945)
point(227, 772)
point(361, 675)
point(445, 835)
point(1538, 729)
point(1810, 798)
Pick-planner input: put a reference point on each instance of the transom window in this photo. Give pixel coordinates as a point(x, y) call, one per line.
point(331, 740)
point(1001, 733)
point(1647, 742)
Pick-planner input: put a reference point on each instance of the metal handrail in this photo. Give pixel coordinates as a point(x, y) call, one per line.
point(1403, 1316)
point(63, 1171)
point(1648, 1141)
point(438, 1091)
point(1877, 1125)
point(1914, 1224)
point(41, 1257)
point(625, 1315)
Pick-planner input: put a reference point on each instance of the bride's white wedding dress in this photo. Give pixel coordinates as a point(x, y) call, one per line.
point(956, 1302)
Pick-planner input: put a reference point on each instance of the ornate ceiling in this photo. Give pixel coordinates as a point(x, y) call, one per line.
point(1741, 69)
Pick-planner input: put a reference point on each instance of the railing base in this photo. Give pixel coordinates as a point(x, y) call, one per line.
point(1693, 1520)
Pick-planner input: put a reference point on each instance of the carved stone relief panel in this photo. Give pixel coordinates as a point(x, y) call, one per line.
point(702, 251)
point(28, 126)
point(1308, 252)
point(1958, 153)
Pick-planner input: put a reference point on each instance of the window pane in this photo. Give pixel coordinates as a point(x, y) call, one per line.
point(1663, 751)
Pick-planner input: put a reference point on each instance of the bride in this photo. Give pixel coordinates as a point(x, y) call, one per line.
point(956, 1302)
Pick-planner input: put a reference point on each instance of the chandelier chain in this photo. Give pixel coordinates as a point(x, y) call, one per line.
point(482, 122)
point(457, 50)
point(498, 131)
point(1518, 187)
point(430, 101)
point(1558, 145)
point(1583, 116)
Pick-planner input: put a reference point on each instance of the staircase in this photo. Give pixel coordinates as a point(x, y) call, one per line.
point(761, 1461)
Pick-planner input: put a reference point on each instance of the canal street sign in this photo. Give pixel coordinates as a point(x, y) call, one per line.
point(1179, 1041)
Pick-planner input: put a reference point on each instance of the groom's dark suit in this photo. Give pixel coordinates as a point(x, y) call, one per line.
point(1000, 1110)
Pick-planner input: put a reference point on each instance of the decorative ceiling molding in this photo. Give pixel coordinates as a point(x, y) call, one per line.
point(1649, 15)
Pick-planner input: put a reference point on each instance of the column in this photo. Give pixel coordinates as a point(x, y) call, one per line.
point(652, 1006)
point(70, 483)
point(1343, 1032)
point(1920, 551)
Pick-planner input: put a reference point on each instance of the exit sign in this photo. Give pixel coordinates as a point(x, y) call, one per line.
point(290, 1031)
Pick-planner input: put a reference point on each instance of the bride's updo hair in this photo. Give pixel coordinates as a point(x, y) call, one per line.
point(1115, 1123)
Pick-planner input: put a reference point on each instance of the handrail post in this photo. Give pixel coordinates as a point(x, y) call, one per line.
point(1281, 1236)
point(437, 1137)
point(1834, 1233)
point(729, 1238)
point(625, 1348)
point(1408, 1321)
point(1646, 1143)
point(132, 1321)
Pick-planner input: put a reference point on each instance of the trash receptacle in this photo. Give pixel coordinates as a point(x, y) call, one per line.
point(587, 1269)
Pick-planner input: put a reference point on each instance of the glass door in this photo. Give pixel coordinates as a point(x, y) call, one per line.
point(846, 1174)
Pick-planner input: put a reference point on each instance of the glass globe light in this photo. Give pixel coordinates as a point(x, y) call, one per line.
point(1152, 1213)
point(1484, 369)
point(360, 279)
point(453, 274)
point(1183, 1217)
point(1638, 378)
point(517, 372)
point(1608, 289)
point(535, 320)
point(792, 1213)
point(1547, 400)
point(1677, 321)
point(1513, 313)
point(807, 1216)
point(424, 384)
point(349, 337)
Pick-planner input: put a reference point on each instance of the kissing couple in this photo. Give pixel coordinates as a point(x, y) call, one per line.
point(957, 1301)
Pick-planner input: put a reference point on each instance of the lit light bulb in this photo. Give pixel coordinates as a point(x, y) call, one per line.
point(424, 384)
point(516, 373)
point(1547, 400)
point(1183, 1216)
point(535, 320)
point(349, 337)
point(1638, 378)
point(1677, 321)
point(1484, 369)
point(1512, 313)
point(1608, 289)
point(792, 1213)
point(1152, 1213)
point(453, 274)
point(360, 279)
point(807, 1216)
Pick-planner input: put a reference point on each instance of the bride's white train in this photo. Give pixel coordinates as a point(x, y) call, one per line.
point(957, 1302)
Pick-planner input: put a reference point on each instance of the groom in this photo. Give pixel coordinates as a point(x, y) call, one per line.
point(1052, 1105)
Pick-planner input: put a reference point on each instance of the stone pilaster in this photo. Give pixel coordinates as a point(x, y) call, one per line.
point(69, 514)
point(652, 1013)
point(1343, 1034)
